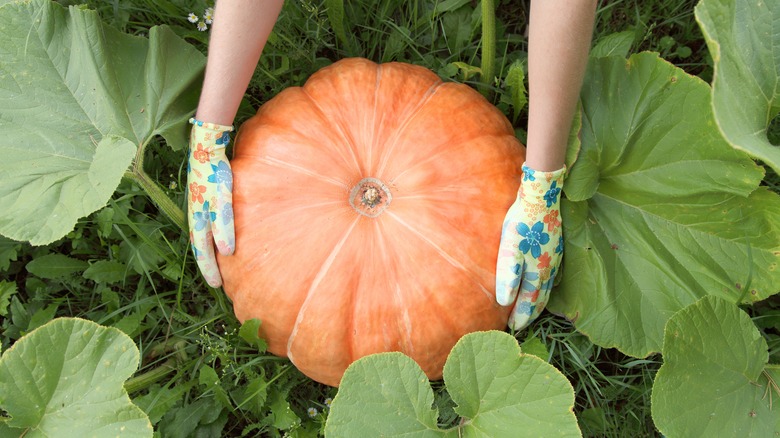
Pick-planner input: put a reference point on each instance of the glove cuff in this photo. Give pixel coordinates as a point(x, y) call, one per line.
point(542, 185)
point(212, 126)
point(209, 136)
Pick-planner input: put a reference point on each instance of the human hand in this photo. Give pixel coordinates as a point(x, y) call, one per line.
point(210, 197)
point(531, 247)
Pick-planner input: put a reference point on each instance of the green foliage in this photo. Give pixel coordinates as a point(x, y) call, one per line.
point(438, 35)
point(203, 374)
point(85, 98)
point(664, 26)
point(53, 266)
point(79, 377)
point(743, 40)
point(488, 378)
point(612, 390)
point(249, 332)
point(9, 250)
point(615, 44)
point(518, 92)
point(715, 380)
point(652, 226)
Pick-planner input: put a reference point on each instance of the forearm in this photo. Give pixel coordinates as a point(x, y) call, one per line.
point(239, 33)
point(559, 41)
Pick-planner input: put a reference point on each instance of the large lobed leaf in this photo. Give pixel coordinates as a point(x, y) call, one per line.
point(76, 100)
point(65, 379)
point(715, 380)
point(744, 40)
point(661, 211)
point(499, 392)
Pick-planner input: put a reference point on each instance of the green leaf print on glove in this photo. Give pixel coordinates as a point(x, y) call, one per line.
point(210, 197)
point(531, 246)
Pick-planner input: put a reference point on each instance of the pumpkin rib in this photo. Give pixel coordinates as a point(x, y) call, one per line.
point(436, 307)
point(401, 302)
point(392, 143)
point(437, 156)
point(323, 271)
point(274, 162)
point(399, 296)
point(372, 144)
point(303, 207)
point(272, 118)
point(448, 258)
point(435, 127)
point(336, 126)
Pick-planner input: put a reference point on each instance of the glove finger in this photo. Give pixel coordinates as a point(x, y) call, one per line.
point(521, 315)
point(199, 224)
point(204, 255)
point(541, 300)
point(544, 293)
point(526, 301)
point(509, 269)
point(223, 226)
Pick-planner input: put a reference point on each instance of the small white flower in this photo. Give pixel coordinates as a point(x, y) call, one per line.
point(192, 18)
point(312, 412)
point(202, 26)
point(208, 15)
point(328, 401)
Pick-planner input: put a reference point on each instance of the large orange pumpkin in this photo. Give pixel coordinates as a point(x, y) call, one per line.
point(368, 211)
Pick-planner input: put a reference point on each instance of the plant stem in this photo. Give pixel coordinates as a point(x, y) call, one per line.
point(488, 44)
point(162, 200)
point(143, 381)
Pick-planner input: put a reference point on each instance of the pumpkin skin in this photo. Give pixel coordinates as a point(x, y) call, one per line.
point(368, 211)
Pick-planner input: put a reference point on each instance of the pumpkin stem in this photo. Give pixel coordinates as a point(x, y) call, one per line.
point(147, 379)
point(488, 45)
point(154, 191)
point(370, 197)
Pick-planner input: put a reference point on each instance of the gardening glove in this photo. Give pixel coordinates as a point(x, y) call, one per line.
point(531, 246)
point(210, 197)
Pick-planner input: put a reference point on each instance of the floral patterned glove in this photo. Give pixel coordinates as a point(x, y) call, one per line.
point(531, 246)
point(210, 197)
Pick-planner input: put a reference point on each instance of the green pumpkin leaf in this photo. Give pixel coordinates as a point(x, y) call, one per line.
point(744, 41)
point(714, 380)
point(383, 393)
point(492, 381)
point(77, 98)
point(661, 211)
point(65, 379)
point(53, 266)
point(498, 391)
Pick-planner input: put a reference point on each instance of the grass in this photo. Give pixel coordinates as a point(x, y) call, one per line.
point(186, 331)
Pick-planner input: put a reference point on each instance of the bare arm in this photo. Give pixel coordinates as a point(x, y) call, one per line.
point(240, 31)
point(559, 40)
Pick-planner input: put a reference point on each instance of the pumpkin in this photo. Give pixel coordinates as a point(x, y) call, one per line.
point(368, 211)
